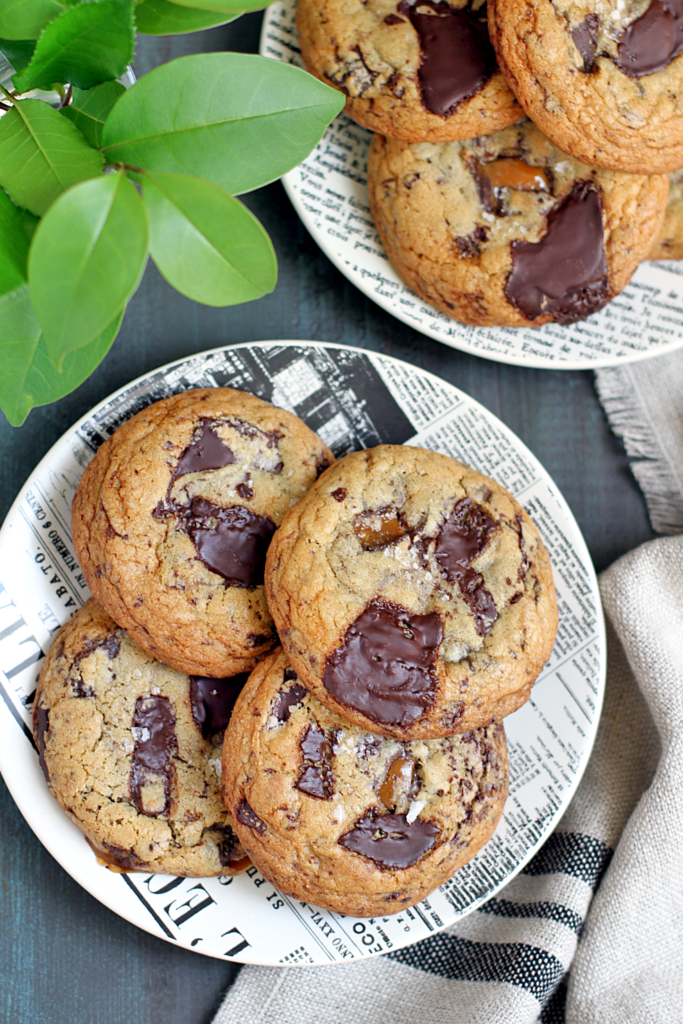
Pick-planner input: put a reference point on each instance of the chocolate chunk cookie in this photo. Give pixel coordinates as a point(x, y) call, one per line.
point(603, 80)
point(131, 749)
point(506, 229)
point(413, 595)
point(173, 518)
point(420, 70)
point(669, 244)
point(347, 820)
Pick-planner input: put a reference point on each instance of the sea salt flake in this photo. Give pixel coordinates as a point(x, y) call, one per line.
point(413, 811)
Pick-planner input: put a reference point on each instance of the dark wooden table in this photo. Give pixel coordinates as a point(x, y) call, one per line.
point(64, 958)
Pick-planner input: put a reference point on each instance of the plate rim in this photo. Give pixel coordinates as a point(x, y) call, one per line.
point(327, 248)
point(147, 923)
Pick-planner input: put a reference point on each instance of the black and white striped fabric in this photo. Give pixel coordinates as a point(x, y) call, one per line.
point(591, 932)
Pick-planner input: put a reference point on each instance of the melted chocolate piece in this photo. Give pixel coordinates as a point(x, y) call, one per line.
point(245, 491)
point(389, 840)
point(462, 538)
point(154, 748)
point(206, 451)
point(339, 494)
point(248, 816)
point(315, 777)
point(321, 465)
point(229, 848)
point(385, 666)
point(212, 701)
point(585, 38)
point(286, 700)
point(42, 719)
point(565, 273)
point(231, 542)
point(652, 41)
point(457, 56)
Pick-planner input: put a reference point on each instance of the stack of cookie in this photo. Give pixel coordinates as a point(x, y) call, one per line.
point(519, 171)
point(362, 762)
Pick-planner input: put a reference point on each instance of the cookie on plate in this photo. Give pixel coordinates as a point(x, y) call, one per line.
point(173, 517)
point(412, 594)
point(414, 69)
point(506, 229)
point(603, 80)
point(131, 749)
point(669, 244)
point(348, 820)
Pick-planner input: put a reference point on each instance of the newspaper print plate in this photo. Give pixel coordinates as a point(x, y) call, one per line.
point(353, 399)
point(329, 193)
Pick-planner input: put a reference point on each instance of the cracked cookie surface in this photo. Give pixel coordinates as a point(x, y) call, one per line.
point(412, 594)
point(506, 229)
point(348, 820)
point(410, 70)
point(132, 750)
point(669, 243)
point(172, 519)
point(602, 78)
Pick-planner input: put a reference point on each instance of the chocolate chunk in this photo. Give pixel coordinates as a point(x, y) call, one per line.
point(339, 494)
point(457, 56)
point(652, 41)
point(389, 840)
point(525, 564)
point(152, 761)
point(212, 701)
point(206, 451)
point(286, 700)
point(321, 465)
point(42, 724)
point(315, 777)
point(385, 666)
point(585, 38)
point(463, 537)
point(565, 273)
point(229, 848)
point(231, 542)
point(245, 491)
point(247, 816)
point(393, 19)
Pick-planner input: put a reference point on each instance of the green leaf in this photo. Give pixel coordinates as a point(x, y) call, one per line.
point(206, 243)
point(41, 155)
point(162, 18)
point(18, 52)
point(28, 377)
point(90, 108)
point(236, 119)
point(26, 19)
point(86, 260)
point(13, 246)
point(222, 6)
point(85, 45)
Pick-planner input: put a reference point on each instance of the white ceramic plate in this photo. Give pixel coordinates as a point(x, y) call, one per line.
point(329, 192)
point(353, 399)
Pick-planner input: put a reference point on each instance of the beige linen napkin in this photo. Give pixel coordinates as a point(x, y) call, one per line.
point(623, 949)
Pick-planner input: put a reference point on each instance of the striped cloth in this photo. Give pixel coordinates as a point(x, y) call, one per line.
point(545, 950)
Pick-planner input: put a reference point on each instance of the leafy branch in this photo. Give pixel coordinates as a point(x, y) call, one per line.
point(103, 178)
